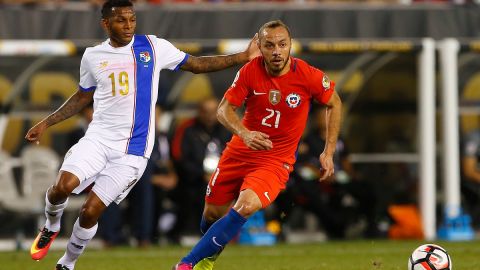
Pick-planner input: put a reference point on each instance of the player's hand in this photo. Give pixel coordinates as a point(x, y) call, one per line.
point(256, 140)
point(252, 49)
point(35, 133)
point(327, 170)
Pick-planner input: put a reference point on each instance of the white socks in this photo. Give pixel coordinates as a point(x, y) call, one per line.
point(77, 243)
point(53, 213)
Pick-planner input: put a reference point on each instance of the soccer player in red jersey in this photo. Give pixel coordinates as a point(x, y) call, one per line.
point(277, 91)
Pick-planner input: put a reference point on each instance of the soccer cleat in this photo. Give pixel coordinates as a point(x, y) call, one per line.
point(61, 267)
point(208, 262)
point(42, 243)
point(183, 266)
point(205, 264)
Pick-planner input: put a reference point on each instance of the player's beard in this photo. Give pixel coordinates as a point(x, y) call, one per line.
point(277, 68)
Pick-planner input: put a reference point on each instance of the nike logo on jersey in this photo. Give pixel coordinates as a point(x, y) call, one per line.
point(214, 239)
point(258, 93)
point(266, 195)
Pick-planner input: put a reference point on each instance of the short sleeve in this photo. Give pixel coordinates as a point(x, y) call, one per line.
point(320, 85)
point(238, 91)
point(87, 80)
point(169, 56)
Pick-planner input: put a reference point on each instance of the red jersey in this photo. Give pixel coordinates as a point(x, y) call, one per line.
point(277, 106)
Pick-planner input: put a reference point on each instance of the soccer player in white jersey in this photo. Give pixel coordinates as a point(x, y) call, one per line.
point(121, 77)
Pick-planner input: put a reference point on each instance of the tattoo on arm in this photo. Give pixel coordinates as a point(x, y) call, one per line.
point(204, 64)
point(71, 107)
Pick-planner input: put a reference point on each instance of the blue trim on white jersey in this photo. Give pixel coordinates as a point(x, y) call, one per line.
point(145, 66)
point(183, 62)
point(87, 89)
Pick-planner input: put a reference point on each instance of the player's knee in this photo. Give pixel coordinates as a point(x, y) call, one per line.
point(62, 189)
point(247, 208)
point(65, 185)
point(88, 214)
point(210, 217)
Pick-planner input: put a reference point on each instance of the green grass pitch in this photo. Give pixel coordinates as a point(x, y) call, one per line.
point(344, 255)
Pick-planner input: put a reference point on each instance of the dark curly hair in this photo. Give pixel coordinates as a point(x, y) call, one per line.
point(108, 5)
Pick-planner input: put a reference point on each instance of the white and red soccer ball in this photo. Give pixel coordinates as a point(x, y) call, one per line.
point(429, 257)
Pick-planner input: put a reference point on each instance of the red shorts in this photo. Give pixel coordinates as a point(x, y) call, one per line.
point(233, 176)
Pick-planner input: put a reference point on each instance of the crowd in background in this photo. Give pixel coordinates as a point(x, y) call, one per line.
point(166, 205)
point(156, 2)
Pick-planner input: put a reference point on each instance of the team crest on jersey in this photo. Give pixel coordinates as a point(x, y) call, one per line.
point(293, 100)
point(274, 96)
point(145, 57)
point(326, 82)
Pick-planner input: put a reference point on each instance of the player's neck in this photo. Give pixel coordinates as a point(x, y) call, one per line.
point(117, 43)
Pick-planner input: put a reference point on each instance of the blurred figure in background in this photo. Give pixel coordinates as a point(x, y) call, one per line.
point(337, 203)
point(304, 190)
point(165, 180)
point(148, 201)
point(197, 146)
point(86, 116)
point(470, 184)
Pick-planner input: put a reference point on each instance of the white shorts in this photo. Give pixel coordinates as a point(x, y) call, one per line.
point(113, 172)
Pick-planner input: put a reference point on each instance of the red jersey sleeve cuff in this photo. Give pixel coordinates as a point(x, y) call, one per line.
point(326, 97)
point(327, 94)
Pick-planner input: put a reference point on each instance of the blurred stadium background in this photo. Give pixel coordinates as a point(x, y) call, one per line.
point(407, 71)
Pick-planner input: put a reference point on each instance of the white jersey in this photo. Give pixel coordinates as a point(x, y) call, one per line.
point(125, 81)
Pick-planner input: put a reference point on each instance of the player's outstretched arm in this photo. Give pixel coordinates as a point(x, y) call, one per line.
point(202, 64)
point(72, 106)
point(254, 140)
point(334, 120)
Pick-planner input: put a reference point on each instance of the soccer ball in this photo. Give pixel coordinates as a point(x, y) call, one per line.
point(429, 257)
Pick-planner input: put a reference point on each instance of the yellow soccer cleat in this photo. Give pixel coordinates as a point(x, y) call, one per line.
point(205, 264)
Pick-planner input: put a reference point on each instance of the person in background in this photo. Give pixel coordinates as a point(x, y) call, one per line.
point(86, 116)
point(470, 183)
point(197, 146)
point(150, 203)
point(165, 180)
point(336, 203)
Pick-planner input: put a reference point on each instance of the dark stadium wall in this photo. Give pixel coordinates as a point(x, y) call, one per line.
point(241, 21)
